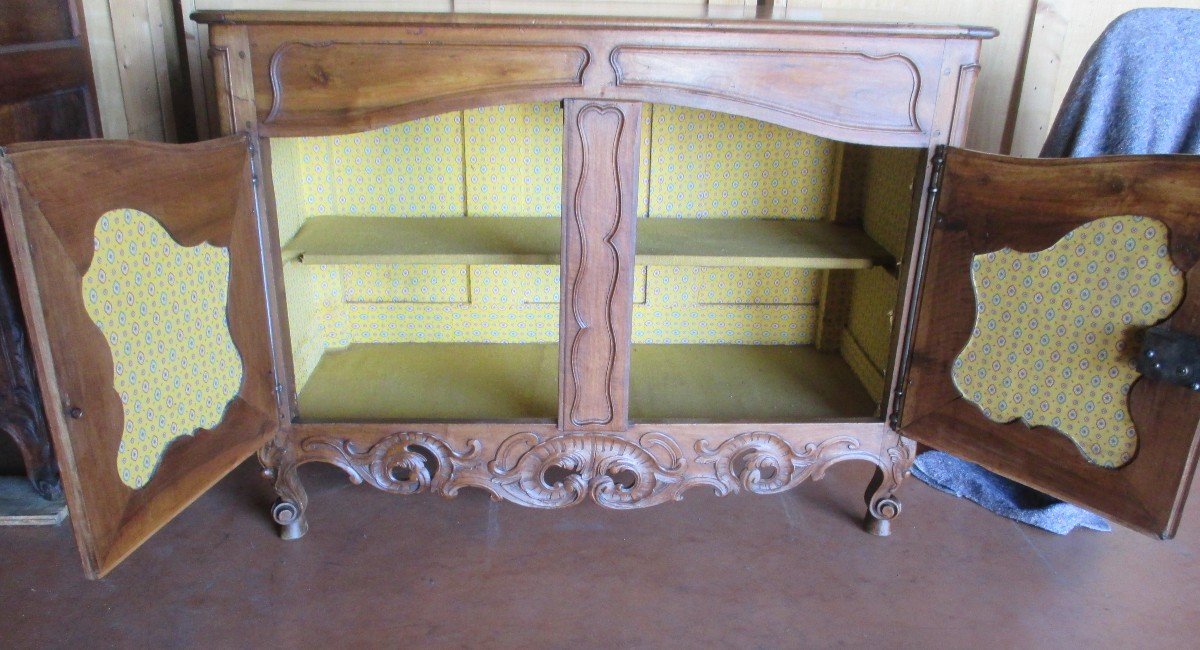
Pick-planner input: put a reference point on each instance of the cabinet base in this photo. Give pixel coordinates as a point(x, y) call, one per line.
point(538, 466)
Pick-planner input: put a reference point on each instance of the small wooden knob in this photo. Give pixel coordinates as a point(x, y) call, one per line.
point(75, 412)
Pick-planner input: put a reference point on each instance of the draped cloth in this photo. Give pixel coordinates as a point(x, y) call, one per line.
point(1137, 90)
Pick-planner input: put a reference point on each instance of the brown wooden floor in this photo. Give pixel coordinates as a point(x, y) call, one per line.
point(781, 571)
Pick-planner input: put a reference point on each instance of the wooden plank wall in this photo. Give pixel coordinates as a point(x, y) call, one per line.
point(138, 68)
point(146, 64)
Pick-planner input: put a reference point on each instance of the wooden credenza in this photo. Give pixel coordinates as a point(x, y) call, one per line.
point(562, 258)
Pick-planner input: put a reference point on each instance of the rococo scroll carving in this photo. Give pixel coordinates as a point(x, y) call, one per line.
point(566, 469)
point(403, 463)
point(615, 472)
point(763, 463)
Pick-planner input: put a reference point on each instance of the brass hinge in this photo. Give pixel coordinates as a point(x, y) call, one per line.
point(921, 261)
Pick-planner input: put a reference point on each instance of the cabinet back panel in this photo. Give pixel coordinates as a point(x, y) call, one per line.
point(505, 161)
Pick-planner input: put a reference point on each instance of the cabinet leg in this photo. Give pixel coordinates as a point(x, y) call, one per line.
point(289, 510)
point(882, 504)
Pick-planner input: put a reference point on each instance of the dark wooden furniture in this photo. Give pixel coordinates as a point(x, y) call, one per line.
point(47, 94)
point(298, 74)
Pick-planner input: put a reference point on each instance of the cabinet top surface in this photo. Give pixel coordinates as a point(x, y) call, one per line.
point(570, 14)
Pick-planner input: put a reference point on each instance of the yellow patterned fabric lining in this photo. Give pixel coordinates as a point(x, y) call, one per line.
point(705, 164)
point(887, 179)
point(513, 163)
point(1049, 343)
point(162, 309)
point(692, 164)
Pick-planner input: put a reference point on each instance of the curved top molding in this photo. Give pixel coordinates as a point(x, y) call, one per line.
point(846, 90)
point(357, 81)
point(317, 84)
point(656, 17)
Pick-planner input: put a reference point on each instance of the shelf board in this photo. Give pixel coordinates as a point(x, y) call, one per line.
point(494, 381)
point(510, 240)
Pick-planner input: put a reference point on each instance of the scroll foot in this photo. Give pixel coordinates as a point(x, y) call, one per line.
point(292, 522)
point(289, 510)
point(882, 505)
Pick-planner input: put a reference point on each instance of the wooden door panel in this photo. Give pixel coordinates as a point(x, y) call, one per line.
point(63, 206)
point(992, 208)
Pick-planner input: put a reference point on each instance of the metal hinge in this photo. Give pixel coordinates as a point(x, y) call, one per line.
point(1170, 356)
point(279, 398)
point(921, 261)
point(938, 167)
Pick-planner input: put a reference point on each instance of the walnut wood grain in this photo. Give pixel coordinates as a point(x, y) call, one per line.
point(834, 80)
point(661, 16)
point(792, 73)
point(860, 84)
point(600, 171)
point(53, 196)
point(993, 202)
point(951, 113)
point(314, 77)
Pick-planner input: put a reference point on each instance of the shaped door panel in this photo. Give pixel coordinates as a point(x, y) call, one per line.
point(1041, 280)
point(141, 276)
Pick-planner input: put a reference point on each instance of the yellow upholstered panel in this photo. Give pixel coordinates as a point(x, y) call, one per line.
point(741, 325)
point(887, 180)
point(1049, 343)
point(514, 160)
point(444, 323)
point(869, 374)
point(506, 161)
point(869, 325)
point(304, 318)
point(520, 284)
point(735, 286)
point(887, 200)
point(298, 179)
point(412, 169)
point(515, 285)
point(162, 308)
point(706, 164)
point(446, 283)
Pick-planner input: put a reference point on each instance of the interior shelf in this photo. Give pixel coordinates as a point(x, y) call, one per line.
point(509, 240)
point(493, 381)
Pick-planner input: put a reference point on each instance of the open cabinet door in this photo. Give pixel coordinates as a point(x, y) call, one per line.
point(1054, 322)
point(141, 275)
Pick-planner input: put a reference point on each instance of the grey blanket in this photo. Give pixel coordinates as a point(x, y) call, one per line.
point(1136, 92)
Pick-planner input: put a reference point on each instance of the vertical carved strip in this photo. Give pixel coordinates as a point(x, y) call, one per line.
point(599, 208)
point(230, 54)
